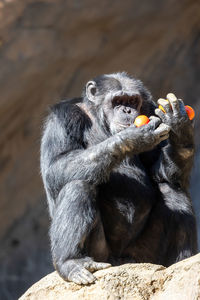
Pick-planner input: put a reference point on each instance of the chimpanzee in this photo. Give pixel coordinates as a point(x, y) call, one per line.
point(117, 193)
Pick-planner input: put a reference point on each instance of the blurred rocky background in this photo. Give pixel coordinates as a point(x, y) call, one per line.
point(48, 50)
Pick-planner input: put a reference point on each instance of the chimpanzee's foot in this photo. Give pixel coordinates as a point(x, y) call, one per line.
point(79, 270)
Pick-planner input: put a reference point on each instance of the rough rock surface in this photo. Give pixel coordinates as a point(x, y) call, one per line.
point(181, 281)
point(48, 50)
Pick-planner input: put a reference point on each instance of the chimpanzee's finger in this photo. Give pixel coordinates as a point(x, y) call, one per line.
point(162, 129)
point(154, 122)
point(160, 114)
point(165, 104)
point(182, 107)
point(173, 101)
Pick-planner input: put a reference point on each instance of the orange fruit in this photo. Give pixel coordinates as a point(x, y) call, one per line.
point(141, 120)
point(190, 112)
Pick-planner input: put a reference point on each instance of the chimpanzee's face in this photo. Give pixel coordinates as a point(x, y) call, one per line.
point(123, 111)
point(117, 99)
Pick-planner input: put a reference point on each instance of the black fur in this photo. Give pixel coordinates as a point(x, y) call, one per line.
point(116, 194)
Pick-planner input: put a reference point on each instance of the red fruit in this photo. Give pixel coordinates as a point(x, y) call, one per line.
point(190, 112)
point(141, 120)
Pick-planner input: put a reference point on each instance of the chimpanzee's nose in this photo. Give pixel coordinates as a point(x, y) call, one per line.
point(126, 110)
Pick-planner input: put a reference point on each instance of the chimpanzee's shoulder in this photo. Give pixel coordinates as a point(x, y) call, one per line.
point(70, 114)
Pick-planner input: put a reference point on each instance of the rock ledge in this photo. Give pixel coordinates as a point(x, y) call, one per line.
point(129, 281)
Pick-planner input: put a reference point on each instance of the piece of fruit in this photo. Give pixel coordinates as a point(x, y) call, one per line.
point(141, 120)
point(190, 112)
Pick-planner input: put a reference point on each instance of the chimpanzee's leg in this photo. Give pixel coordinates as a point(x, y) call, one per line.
point(75, 218)
point(180, 224)
point(170, 234)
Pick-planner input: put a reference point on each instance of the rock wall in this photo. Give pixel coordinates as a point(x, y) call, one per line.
point(48, 50)
point(181, 281)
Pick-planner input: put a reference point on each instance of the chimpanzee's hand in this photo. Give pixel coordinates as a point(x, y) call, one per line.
point(175, 115)
point(144, 138)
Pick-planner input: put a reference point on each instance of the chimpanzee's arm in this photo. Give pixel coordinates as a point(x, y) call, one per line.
point(174, 164)
point(173, 161)
point(176, 158)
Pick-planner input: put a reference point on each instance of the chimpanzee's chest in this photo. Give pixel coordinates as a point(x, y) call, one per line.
point(125, 202)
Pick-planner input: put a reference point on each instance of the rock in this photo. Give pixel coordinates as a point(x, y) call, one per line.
point(180, 281)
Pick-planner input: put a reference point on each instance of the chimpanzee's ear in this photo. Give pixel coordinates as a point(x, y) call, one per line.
point(91, 89)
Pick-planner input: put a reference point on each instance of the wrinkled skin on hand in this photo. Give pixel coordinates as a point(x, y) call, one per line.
point(175, 116)
point(144, 138)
